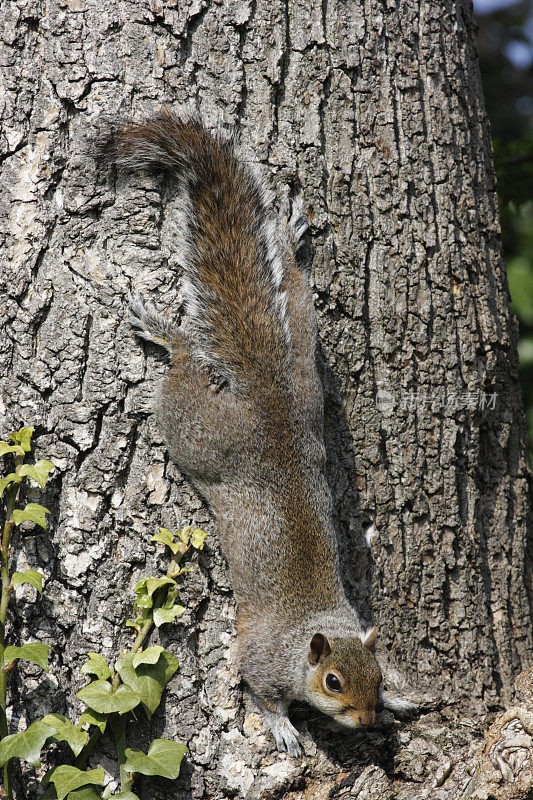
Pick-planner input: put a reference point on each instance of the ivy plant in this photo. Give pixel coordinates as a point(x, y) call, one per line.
point(136, 680)
point(10, 488)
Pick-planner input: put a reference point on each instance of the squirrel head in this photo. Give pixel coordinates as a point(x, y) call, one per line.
point(343, 678)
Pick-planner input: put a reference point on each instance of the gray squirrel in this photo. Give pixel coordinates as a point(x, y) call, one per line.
point(254, 449)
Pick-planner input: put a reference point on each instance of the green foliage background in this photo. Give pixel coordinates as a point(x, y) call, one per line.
point(506, 54)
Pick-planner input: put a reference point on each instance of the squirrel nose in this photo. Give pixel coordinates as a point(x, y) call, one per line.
point(364, 717)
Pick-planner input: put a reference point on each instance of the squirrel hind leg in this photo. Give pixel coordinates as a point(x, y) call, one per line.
point(149, 324)
point(297, 224)
point(210, 434)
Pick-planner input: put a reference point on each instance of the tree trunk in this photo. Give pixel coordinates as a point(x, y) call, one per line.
point(373, 111)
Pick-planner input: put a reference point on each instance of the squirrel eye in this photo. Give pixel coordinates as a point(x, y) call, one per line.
point(333, 683)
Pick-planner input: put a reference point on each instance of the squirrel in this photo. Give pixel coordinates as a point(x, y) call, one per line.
point(254, 449)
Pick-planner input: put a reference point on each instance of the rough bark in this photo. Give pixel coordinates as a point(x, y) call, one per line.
point(373, 111)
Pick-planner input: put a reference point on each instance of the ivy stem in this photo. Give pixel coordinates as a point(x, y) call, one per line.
point(118, 726)
point(83, 756)
point(141, 636)
point(7, 588)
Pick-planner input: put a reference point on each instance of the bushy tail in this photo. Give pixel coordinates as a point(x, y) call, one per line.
point(233, 262)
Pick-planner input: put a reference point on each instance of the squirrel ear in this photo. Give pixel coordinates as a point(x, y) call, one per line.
point(369, 638)
point(319, 647)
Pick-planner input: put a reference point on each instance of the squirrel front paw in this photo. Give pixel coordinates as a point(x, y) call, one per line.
point(286, 736)
point(402, 709)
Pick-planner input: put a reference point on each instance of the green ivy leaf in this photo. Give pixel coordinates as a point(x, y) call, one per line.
point(153, 584)
point(164, 758)
point(166, 537)
point(65, 731)
point(33, 512)
point(66, 779)
point(198, 538)
point(27, 744)
point(10, 448)
point(163, 615)
point(170, 599)
point(148, 680)
point(144, 600)
point(84, 794)
point(30, 576)
point(33, 651)
point(99, 696)
point(23, 438)
point(148, 656)
point(96, 665)
point(39, 471)
point(184, 533)
point(11, 478)
point(145, 590)
point(94, 718)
